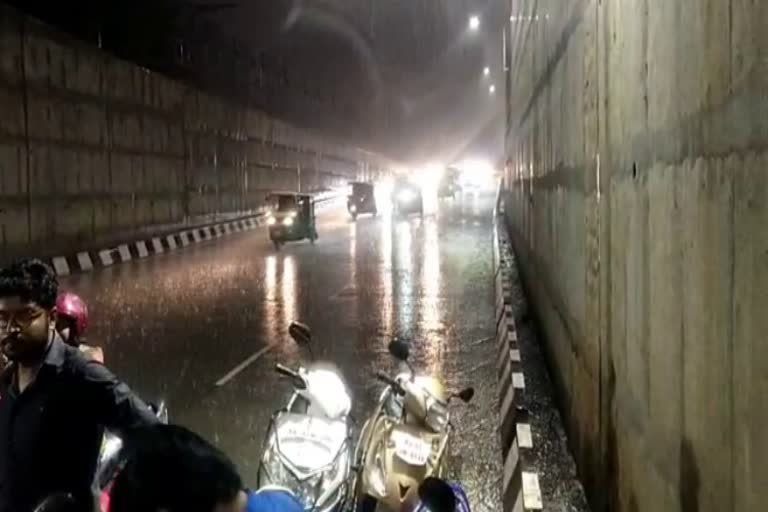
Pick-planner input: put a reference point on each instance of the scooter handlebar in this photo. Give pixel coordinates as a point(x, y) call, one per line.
point(284, 370)
point(386, 379)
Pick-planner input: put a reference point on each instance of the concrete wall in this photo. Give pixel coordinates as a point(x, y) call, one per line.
point(92, 147)
point(638, 187)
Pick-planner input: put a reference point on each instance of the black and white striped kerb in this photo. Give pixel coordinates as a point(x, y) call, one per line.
point(87, 261)
point(520, 482)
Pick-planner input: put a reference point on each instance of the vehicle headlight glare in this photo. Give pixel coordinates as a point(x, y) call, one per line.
point(288, 221)
point(271, 221)
point(406, 196)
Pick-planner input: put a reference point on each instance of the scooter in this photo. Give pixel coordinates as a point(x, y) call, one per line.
point(112, 443)
point(405, 440)
point(308, 444)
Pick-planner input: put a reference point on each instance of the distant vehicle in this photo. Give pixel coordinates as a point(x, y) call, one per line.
point(291, 218)
point(407, 198)
point(362, 199)
point(449, 183)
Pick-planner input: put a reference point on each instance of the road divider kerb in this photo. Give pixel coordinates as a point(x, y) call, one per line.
point(86, 261)
point(520, 484)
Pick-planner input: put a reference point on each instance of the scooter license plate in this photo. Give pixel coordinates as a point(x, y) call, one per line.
point(411, 449)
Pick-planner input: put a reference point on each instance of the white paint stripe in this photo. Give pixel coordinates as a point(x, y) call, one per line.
point(141, 247)
point(171, 242)
point(106, 257)
point(514, 355)
point(184, 236)
point(513, 457)
point(226, 229)
point(524, 436)
point(236, 227)
point(518, 380)
point(61, 266)
point(506, 405)
point(84, 259)
point(512, 337)
point(196, 235)
point(531, 491)
point(125, 253)
point(242, 366)
point(157, 245)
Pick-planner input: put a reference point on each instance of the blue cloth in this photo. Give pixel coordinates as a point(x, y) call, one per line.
point(272, 500)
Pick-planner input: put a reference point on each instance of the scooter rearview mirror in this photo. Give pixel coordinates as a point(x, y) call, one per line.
point(300, 333)
point(466, 394)
point(399, 349)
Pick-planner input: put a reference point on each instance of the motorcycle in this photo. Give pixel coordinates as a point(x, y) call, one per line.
point(111, 444)
point(406, 438)
point(308, 444)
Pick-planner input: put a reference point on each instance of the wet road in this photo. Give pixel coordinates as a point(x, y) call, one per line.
point(174, 325)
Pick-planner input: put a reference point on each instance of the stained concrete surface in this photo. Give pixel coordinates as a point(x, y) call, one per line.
point(93, 148)
point(174, 324)
point(636, 179)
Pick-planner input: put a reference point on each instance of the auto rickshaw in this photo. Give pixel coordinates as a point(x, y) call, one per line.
point(291, 218)
point(407, 198)
point(362, 199)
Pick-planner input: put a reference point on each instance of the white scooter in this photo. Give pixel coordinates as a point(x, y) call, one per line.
point(308, 445)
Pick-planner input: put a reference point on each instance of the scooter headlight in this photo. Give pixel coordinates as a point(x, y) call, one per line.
point(288, 221)
point(271, 221)
point(437, 414)
point(406, 196)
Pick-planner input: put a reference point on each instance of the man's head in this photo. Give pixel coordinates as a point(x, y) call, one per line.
point(28, 290)
point(171, 469)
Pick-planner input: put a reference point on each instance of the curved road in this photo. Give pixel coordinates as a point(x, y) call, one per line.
point(176, 324)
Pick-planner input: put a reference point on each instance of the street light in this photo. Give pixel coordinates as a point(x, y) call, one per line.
point(492, 89)
point(474, 22)
point(486, 71)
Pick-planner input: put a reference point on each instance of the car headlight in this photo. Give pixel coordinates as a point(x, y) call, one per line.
point(288, 221)
point(406, 196)
point(437, 414)
point(352, 208)
point(271, 221)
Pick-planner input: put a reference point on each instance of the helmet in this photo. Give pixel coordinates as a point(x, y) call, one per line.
point(73, 307)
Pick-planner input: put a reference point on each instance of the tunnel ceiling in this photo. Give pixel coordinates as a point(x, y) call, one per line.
point(403, 76)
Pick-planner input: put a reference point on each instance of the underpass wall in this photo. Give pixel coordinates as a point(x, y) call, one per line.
point(636, 196)
point(93, 148)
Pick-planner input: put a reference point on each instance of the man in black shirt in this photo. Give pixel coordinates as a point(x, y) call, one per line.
point(54, 404)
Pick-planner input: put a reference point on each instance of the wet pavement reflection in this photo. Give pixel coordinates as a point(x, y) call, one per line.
point(175, 325)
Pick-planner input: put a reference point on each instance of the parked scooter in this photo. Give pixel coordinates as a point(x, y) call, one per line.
point(112, 443)
point(405, 441)
point(308, 445)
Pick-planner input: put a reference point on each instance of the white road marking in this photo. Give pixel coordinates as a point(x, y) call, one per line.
point(242, 366)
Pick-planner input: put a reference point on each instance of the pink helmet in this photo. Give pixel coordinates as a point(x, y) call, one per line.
point(72, 306)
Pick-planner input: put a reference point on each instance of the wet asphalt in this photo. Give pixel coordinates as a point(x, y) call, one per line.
point(174, 325)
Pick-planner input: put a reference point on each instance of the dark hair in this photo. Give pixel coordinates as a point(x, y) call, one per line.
point(30, 279)
point(169, 467)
